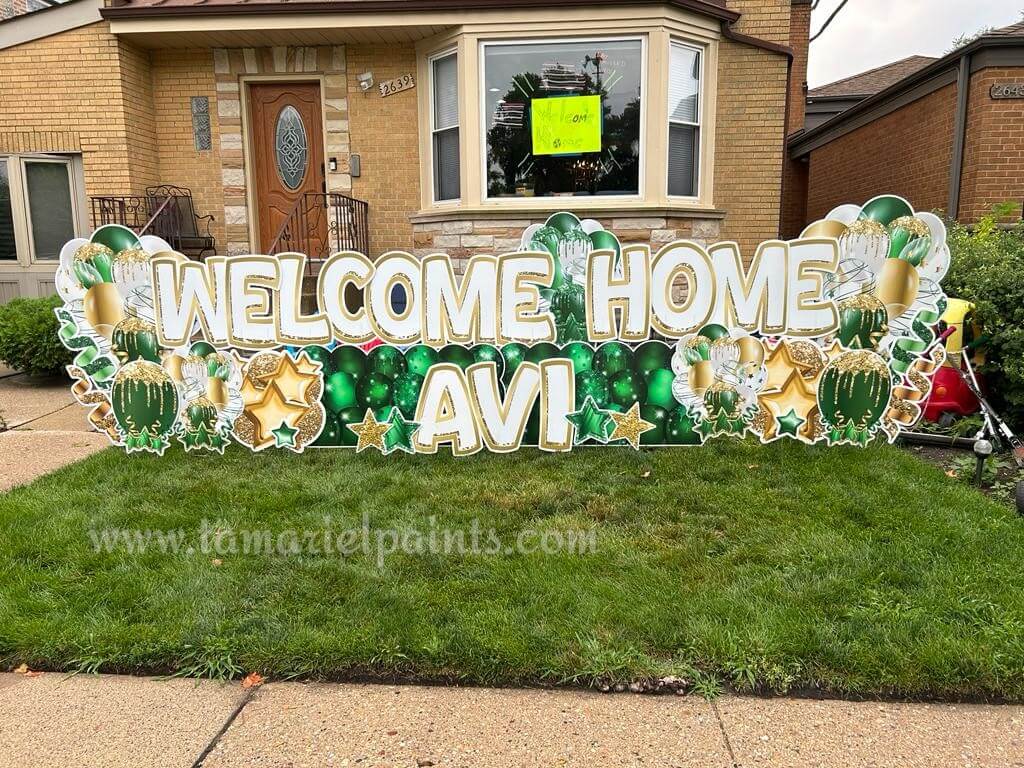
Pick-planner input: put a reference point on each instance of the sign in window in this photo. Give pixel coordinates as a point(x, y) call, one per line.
point(567, 125)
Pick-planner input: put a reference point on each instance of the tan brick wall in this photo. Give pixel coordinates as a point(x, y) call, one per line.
point(384, 132)
point(906, 152)
point(994, 146)
point(794, 173)
point(748, 146)
point(177, 76)
point(74, 91)
point(767, 19)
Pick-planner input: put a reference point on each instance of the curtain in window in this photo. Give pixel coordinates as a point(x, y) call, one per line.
point(684, 120)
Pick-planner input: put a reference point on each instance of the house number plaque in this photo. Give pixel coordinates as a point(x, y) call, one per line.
point(397, 85)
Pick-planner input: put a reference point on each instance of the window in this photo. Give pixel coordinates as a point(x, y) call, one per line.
point(51, 214)
point(562, 118)
point(8, 248)
point(684, 94)
point(444, 125)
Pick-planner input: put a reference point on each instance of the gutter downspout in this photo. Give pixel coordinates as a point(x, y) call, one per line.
point(737, 37)
point(963, 86)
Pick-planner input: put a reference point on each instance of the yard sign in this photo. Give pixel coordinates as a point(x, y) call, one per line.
point(574, 339)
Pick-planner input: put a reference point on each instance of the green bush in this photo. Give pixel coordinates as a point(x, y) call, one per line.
point(28, 336)
point(988, 270)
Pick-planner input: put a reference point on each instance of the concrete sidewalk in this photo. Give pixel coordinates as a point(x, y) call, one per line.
point(45, 428)
point(109, 721)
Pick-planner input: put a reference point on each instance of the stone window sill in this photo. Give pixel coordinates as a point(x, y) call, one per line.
point(604, 210)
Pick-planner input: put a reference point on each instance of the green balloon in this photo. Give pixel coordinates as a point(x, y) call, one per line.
point(563, 222)
point(652, 355)
point(202, 349)
point(514, 354)
point(374, 391)
point(352, 415)
point(419, 358)
point(681, 427)
point(133, 340)
point(407, 393)
point(144, 398)
point(321, 355)
point(659, 388)
point(658, 416)
point(569, 301)
point(538, 353)
point(863, 321)
point(581, 354)
point(713, 331)
point(613, 357)
point(592, 384)
point(603, 240)
point(627, 387)
point(853, 394)
point(116, 237)
point(457, 354)
point(486, 353)
point(386, 360)
point(339, 391)
point(201, 413)
point(350, 360)
point(331, 433)
point(885, 209)
point(722, 399)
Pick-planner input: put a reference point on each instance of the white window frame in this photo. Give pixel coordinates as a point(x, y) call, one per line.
point(434, 130)
point(20, 209)
point(544, 40)
point(701, 52)
point(76, 213)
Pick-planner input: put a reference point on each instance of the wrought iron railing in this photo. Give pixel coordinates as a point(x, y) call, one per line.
point(322, 223)
point(164, 211)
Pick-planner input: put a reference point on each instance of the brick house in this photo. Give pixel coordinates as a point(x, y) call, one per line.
point(317, 125)
point(945, 133)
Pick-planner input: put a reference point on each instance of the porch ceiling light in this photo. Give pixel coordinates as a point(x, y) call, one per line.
point(365, 80)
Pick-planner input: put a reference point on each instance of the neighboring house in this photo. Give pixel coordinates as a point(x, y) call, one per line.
point(948, 135)
point(316, 125)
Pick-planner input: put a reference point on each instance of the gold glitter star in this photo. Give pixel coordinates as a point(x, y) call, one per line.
point(371, 432)
point(629, 426)
point(273, 409)
point(294, 380)
point(797, 399)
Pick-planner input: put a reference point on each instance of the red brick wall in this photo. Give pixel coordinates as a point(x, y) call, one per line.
point(994, 147)
point(907, 152)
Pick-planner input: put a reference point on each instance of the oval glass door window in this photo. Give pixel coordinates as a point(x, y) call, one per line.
point(291, 147)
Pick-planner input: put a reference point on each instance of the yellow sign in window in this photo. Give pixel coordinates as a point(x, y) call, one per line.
point(566, 125)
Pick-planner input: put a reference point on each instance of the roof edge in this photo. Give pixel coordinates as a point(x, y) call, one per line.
point(124, 11)
point(816, 137)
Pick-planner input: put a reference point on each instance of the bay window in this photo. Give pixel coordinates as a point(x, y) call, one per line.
point(684, 91)
point(444, 115)
point(562, 118)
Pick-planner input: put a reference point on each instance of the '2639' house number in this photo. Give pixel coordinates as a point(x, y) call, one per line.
point(397, 85)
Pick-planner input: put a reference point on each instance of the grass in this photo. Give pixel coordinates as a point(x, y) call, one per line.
point(760, 568)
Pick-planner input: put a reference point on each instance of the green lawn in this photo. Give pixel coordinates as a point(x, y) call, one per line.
point(775, 568)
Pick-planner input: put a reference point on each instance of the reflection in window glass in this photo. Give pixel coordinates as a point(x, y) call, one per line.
point(49, 206)
point(683, 120)
point(8, 252)
point(515, 75)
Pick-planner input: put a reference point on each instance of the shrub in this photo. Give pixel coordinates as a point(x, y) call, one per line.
point(988, 270)
point(28, 336)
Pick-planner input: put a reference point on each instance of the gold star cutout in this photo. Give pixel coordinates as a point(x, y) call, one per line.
point(295, 379)
point(273, 409)
point(797, 399)
point(371, 432)
point(629, 426)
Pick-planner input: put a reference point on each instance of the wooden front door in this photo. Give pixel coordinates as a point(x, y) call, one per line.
point(288, 155)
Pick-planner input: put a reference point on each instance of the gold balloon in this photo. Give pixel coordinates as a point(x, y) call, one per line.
point(701, 377)
point(172, 364)
point(897, 287)
point(824, 228)
point(217, 392)
point(103, 308)
point(751, 350)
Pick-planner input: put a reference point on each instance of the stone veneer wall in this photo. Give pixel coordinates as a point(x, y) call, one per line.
point(464, 237)
point(230, 65)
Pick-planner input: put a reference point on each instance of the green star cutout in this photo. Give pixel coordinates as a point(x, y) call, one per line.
point(790, 423)
point(400, 433)
point(284, 436)
point(591, 422)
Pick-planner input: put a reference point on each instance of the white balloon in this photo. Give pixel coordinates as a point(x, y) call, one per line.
point(845, 214)
point(590, 226)
point(528, 235)
point(152, 244)
point(936, 263)
point(67, 286)
point(67, 253)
